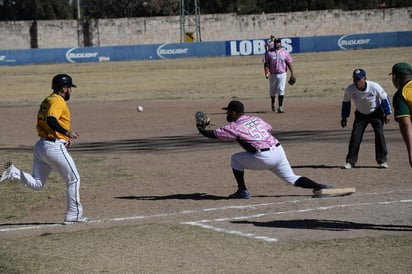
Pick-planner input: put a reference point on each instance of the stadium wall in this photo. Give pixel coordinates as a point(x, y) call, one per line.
point(213, 27)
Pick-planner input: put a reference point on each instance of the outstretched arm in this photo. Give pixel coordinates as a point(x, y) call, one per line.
point(207, 133)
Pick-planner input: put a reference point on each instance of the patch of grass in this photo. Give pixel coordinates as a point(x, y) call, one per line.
point(318, 74)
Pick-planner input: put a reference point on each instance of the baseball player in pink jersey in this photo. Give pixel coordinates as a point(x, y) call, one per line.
point(277, 61)
point(50, 151)
point(262, 150)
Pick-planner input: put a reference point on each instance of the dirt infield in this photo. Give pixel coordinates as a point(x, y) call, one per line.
point(156, 191)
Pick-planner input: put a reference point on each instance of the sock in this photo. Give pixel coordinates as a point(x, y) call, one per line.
point(240, 179)
point(281, 100)
point(305, 182)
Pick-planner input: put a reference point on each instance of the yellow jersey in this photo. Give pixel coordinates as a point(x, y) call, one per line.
point(53, 105)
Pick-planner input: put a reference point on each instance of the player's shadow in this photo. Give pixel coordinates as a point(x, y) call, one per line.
point(331, 225)
point(316, 166)
point(29, 224)
point(197, 196)
point(188, 196)
point(331, 167)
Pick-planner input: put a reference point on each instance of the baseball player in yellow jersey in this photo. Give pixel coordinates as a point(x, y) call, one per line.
point(402, 102)
point(50, 152)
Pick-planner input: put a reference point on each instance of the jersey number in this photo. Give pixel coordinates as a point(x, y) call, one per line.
point(258, 133)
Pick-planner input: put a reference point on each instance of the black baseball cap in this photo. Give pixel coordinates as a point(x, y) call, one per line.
point(359, 74)
point(278, 40)
point(235, 106)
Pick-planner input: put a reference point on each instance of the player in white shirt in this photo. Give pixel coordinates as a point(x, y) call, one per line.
point(372, 107)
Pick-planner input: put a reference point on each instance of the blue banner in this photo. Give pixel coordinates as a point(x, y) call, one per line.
point(203, 49)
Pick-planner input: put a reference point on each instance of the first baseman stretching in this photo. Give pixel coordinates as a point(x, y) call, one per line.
point(50, 152)
point(262, 151)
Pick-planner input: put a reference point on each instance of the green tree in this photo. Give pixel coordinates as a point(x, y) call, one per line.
point(35, 10)
point(64, 9)
point(129, 8)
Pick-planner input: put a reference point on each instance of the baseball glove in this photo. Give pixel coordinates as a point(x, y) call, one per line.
point(292, 81)
point(202, 121)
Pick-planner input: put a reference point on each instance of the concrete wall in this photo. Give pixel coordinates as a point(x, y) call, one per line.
point(214, 27)
point(58, 34)
point(15, 35)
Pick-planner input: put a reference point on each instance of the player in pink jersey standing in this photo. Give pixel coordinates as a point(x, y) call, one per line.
point(277, 61)
point(50, 151)
point(262, 150)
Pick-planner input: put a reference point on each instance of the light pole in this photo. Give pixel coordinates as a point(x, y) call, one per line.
point(78, 9)
point(189, 8)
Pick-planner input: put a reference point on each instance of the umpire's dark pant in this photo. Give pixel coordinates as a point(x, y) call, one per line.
point(376, 119)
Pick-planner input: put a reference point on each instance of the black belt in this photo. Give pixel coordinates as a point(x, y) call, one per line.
point(268, 148)
point(51, 139)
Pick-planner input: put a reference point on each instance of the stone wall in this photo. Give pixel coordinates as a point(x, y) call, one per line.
point(213, 27)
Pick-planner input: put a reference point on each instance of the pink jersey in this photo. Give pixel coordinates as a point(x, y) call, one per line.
point(248, 131)
point(277, 60)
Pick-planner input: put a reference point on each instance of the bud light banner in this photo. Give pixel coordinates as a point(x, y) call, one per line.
point(115, 53)
point(356, 41)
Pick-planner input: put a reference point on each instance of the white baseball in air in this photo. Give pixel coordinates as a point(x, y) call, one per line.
point(139, 108)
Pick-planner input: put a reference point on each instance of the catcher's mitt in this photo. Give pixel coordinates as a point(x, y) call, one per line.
point(292, 81)
point(202, 121)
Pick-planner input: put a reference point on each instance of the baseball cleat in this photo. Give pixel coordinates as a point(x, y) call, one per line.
point(76, 221)
point(240, 194)
point(333, 192)
point(6, 173)
point(348, 166)
point(281, 110)
point(384, 165)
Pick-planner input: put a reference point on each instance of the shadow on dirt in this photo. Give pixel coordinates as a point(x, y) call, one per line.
point(30, 224)
point(197, 142)
point(332, 225)
point(189, 196)
point(331, 167)
point(198, 196)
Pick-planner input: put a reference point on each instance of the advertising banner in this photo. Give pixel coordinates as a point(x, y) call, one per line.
point(203, 49)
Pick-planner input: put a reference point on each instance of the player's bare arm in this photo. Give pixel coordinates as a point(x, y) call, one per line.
point(405, 127)
point(292, 73)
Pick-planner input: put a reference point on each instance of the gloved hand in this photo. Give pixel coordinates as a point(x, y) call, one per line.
point(202, 121)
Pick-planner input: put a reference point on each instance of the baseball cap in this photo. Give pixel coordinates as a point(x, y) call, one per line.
point(401, 69)
point(235, 106)
point(359, 74)
point(277, 40)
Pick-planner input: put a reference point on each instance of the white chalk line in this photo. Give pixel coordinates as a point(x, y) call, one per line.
point(200, 223)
